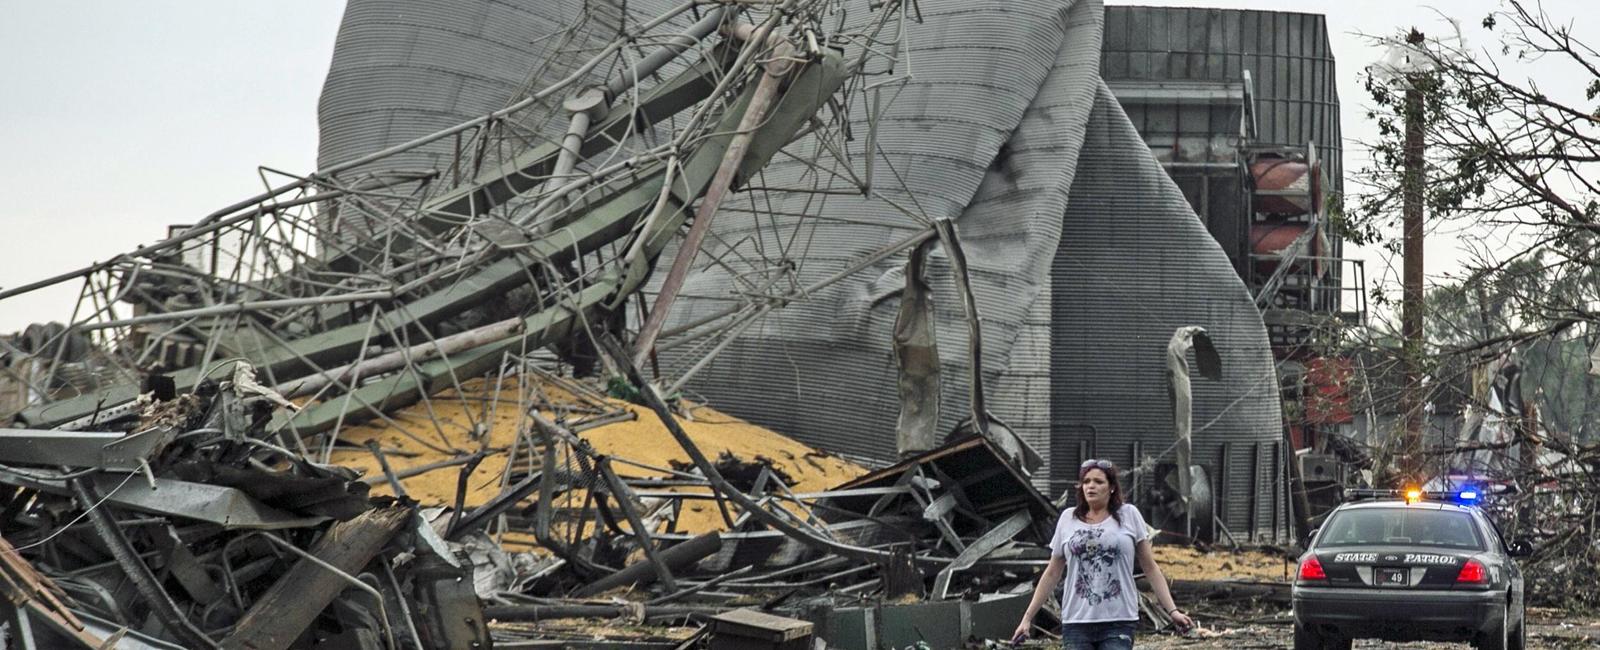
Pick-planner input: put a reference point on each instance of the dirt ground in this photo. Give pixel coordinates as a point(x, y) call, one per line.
point(1545, 633)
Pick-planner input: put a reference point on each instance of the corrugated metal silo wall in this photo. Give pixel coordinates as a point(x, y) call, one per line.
point(1288, 55)
point(1200, 144)
point(403, 69)
point(985, 133)
point(1135, 264)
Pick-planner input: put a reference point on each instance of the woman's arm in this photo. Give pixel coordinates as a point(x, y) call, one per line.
point(1047, 583)
point(1158, 582)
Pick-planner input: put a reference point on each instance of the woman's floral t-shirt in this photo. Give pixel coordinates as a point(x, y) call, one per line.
point(1100, 557)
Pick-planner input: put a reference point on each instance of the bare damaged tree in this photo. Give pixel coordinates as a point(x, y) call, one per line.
point(1510, 160)
point(1512, 134)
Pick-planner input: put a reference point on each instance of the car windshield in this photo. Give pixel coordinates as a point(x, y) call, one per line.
point(1401, 526)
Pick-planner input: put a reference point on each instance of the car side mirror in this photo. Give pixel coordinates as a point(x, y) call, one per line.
point(1519, 548)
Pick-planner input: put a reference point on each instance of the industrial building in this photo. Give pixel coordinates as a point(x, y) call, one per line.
point(1031, 125)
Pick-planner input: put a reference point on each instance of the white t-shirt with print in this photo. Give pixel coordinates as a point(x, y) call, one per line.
point(1100, 558)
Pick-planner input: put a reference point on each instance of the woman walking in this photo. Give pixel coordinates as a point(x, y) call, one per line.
point(1096, 544)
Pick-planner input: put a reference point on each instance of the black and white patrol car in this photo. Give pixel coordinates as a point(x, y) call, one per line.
point(1410, 567)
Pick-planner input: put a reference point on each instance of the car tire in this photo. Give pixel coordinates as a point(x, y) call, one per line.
point(1498, 637)
point(1305, 639)
point(1519, 638)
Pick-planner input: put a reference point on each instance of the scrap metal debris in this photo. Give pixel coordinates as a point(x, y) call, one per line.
point(540, 501)
point(388, 408)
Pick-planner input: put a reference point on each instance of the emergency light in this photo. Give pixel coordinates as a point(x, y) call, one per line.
point(1465, 496)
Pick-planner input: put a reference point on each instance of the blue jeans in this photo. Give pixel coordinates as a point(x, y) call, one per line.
point(1110, 635)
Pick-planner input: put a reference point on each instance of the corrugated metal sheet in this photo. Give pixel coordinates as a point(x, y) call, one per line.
point(986, 133)
point(403, 69)
point(1287, 54)
point(1134, 265)
point(406, 68)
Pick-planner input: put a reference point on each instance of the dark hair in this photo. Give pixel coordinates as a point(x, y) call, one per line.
point(1113, 505)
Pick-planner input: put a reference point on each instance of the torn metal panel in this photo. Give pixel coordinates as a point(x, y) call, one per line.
point(927, 128)
point(308, 490)
point(1178, 347)
point(916, 350)
point(114, 451)
point(979, 549)
point(976, 467)
point(453, 614)
point(227, 507)
point(1172, 275)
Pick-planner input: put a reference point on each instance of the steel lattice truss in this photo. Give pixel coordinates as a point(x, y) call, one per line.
point(368, 285)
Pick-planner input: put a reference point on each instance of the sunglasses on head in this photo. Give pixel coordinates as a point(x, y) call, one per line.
point(1094, 463)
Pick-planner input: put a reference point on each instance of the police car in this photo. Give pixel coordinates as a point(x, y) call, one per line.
point(1410, 566)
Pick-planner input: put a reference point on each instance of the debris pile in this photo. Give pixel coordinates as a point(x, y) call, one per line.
point(542, 505)
point(364, 409)
point(195, 530)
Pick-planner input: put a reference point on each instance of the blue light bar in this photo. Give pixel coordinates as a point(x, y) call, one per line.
point(1469, 495)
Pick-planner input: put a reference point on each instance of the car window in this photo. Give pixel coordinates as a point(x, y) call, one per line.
point(1401, 525)
point(1496, 540)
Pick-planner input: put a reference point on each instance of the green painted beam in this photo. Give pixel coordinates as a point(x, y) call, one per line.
point(508, 180)
point(612, 218)
point(407, 386)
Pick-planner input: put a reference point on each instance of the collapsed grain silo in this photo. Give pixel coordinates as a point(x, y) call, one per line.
point(1085, 258)
point(1084, 255)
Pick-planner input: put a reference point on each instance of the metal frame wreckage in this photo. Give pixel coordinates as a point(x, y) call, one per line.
point(438, 393)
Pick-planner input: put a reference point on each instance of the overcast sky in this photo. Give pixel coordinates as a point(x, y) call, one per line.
point(119, 118)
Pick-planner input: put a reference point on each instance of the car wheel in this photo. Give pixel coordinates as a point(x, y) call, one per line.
point(1305, 639)
point(1519, 638)
point(1498, 637)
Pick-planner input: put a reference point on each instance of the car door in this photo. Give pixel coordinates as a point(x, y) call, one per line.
point(1507, 563)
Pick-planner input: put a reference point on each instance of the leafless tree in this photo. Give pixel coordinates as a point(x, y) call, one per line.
point(1511, 164)
point(1512, 132)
